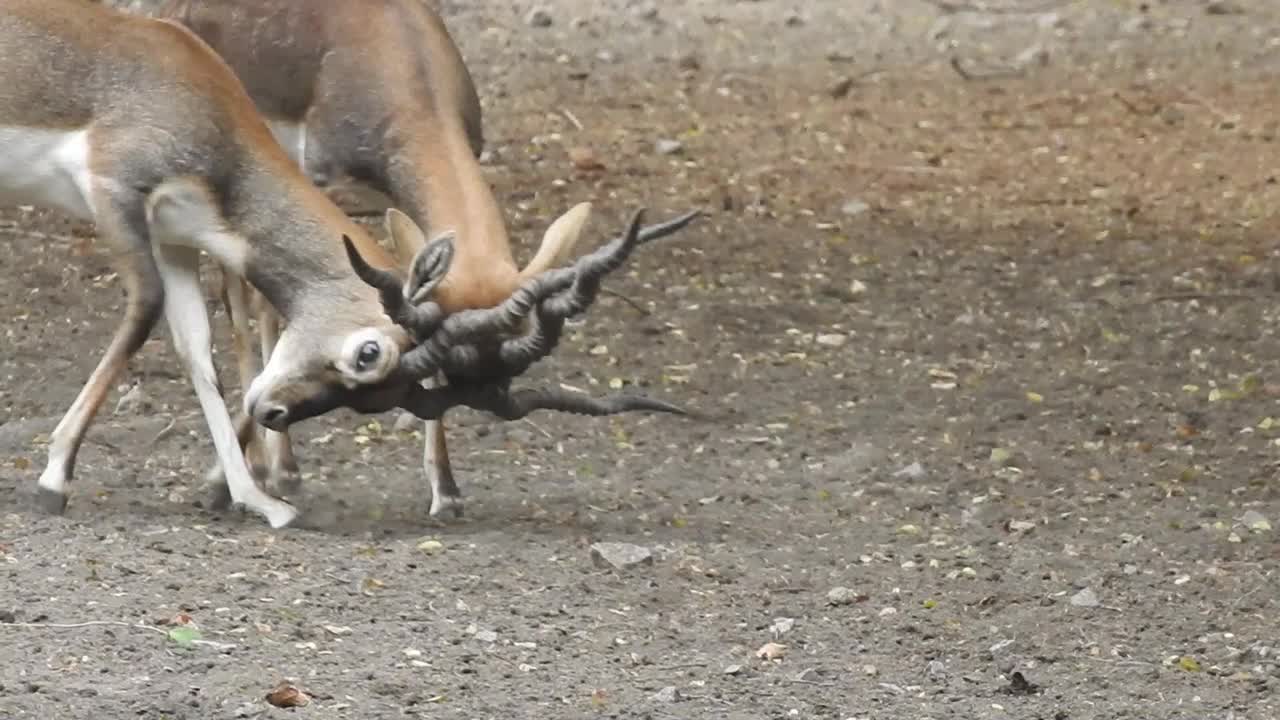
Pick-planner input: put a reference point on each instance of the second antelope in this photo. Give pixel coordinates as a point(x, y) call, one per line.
point(378, 92)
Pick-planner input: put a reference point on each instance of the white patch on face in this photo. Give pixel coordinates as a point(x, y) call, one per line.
point(48, 168)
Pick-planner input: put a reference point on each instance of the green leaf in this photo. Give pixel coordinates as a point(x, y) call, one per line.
point(184, 635)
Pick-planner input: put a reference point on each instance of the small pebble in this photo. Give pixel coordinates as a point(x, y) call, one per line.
point(854, 207)
point(132, 401)
point(621, 556)
point(771, 651)
point(668, 147)
point(667, 694)
point(539, 17)
point(832, 339)
point(1255, 521)
point(840, 88)
point(647, 11)
point(688, 62)
point(1223, 7)
point(405, 422)
point(914, 471)
point(584, 158)
point(842, 596)
point(1086, 598)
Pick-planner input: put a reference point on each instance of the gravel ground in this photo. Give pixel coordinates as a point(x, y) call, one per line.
point(984, 321)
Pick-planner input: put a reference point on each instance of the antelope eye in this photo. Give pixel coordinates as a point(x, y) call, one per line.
point(367, 356)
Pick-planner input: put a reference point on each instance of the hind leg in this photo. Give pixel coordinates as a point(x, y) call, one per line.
point(143, 304)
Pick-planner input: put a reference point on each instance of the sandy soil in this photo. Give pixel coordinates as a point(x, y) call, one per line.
point(985, 317)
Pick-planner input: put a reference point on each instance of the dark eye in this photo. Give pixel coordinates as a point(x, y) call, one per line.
point(367, 356)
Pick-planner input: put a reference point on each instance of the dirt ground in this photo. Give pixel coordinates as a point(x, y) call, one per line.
point(984, 315)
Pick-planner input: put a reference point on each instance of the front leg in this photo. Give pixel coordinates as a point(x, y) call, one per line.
point(188, 319)
point(445, 495)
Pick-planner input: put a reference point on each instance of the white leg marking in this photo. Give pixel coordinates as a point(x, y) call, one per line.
point(445, 495)
point(188, 320)
point(54, 477)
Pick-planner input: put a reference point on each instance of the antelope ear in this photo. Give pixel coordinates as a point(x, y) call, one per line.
point(429, 267)
point(407, 239)
point(559, 240)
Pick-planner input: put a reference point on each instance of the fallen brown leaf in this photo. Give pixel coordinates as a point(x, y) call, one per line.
point(285, 695)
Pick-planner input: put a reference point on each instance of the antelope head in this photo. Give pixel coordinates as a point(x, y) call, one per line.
point(481, 350)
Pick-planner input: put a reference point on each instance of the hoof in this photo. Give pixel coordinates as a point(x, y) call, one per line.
point(51, 502)
point(279, 514)
point(442, 504)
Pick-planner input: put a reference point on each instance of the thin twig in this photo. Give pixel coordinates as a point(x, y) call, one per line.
point(681, 666)
point(953, 6)
point(90, 623)
point(537, 427)
point(1188, 296)
point(572, 118)
point(967, 74)
point(637, 306)
point(1236, 605)
point(1133, 107)
point(166, 431)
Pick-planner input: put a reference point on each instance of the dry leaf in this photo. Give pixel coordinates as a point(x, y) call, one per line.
point(771, 651)
point(285, 695)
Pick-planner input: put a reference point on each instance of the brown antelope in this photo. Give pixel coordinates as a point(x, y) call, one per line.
point(377, 91)
point(138, 126)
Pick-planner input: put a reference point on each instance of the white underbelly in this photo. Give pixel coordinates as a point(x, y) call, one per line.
point(46, 168)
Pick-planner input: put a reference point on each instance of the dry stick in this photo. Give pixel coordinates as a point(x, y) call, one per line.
point(1188, 296)
point(537, 427)
point(637, 306)
point(990, 74)
point(90, 623)
point(111, 623)
point(572, 118)
point(1133, 107)
point(952, 6)
point(815, 683)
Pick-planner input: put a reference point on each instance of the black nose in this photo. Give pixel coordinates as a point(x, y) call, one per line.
point(272, 417)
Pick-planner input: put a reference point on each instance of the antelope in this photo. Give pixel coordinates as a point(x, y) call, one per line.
point(136, 125)
point(378, 92)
